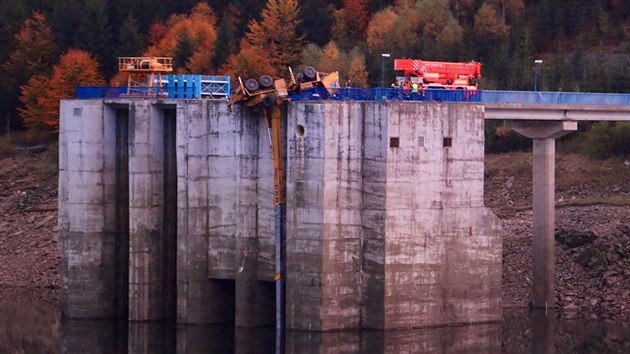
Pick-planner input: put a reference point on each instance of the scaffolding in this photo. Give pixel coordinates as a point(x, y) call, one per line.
point(148, 68)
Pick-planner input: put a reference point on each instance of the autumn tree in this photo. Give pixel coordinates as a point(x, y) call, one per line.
point(276, 34)
point(356, 69)
point(489, 26)
point(389, 31)
point(350, 65)
point(33, 54)
point(440, 33)
point(350, 23)
point(157, 31)
point(250, 62)
point(40, 96)
point(189, 38)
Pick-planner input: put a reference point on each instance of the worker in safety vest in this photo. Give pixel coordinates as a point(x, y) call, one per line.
point(406, 87)
point(414, 91)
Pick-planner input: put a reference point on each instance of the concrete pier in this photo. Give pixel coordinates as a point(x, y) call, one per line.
point(385, 223)
point(544, 135)
point(386, 217)
point(89, 238)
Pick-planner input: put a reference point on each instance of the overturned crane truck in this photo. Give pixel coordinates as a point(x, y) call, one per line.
point(439, 75)
point(270, 94)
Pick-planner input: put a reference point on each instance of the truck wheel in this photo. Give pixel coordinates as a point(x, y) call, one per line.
point(309, 73)
point(265, 81)
point(269, 100)
point(251, 85)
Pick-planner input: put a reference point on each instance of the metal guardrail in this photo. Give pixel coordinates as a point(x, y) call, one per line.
point(385, 94)
point(574, 98)
point(389, 94)
point(94, 92)
point(173, 86)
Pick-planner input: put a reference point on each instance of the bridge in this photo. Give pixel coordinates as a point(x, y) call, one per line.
point(165, 207)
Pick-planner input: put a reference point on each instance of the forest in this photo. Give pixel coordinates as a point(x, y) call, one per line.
point(52, 46)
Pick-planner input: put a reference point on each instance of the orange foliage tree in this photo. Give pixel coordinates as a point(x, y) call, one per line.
point(350, 23)
point(34, 50)
point(350, 65)
point(489, 26)
point(40, 96)
point(271, 44)
point(197, 29)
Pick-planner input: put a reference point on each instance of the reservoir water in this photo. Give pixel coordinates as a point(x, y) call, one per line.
point(31, 324)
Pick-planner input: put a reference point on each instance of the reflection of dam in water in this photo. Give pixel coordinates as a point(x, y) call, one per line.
point(165, 213)
point(30, 325)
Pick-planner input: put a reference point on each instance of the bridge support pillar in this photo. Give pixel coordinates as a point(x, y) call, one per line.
point(544, 134)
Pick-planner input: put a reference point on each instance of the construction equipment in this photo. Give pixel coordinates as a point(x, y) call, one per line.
point(439, 75)
point(270, 94)
point(267, 91)
point(148, 68)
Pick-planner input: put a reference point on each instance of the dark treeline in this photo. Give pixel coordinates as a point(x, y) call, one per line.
point(584, 44)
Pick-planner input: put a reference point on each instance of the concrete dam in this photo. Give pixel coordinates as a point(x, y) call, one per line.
point(165, 212)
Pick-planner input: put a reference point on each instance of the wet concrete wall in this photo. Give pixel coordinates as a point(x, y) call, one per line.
point(385, 223)
point(385, 218)
point(87, 200)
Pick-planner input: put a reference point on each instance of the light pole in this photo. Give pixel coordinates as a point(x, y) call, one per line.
point(383, 56)
point(537, 62)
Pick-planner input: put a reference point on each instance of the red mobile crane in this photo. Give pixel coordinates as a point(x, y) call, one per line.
point(438, 74)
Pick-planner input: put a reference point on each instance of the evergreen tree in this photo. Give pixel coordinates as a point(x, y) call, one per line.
point(130, 41)
point(183, 51)
point(93, 34)
point(276, 33)
point(145, 12)
point(64, 21)
point(227, 43)
point(33, 54)
point(12, 15)
point(317, 20)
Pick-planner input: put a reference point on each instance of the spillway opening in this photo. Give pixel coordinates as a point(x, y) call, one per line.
point(121, 246)
point(224, 291)
point(267, 303)
point(169, 226)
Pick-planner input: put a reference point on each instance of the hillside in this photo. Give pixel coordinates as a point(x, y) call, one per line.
point(593, 219)
point(592, 231)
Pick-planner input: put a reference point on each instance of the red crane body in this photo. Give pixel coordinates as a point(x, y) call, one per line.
point(438, 74)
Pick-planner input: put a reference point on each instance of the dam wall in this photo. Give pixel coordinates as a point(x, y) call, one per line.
point(165, 212)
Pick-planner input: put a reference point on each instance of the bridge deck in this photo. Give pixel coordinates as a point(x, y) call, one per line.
point(573, 112)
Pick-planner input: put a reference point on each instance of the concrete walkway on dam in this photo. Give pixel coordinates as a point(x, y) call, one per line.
point(166, 212)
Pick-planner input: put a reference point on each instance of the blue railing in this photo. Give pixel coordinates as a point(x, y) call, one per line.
point(173, 86)
point(617, 99)
point(385, 94)
point(92, 92)
point(198, 89)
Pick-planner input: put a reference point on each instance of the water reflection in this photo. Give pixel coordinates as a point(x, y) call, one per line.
point(33, 326)
point(543, 330)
